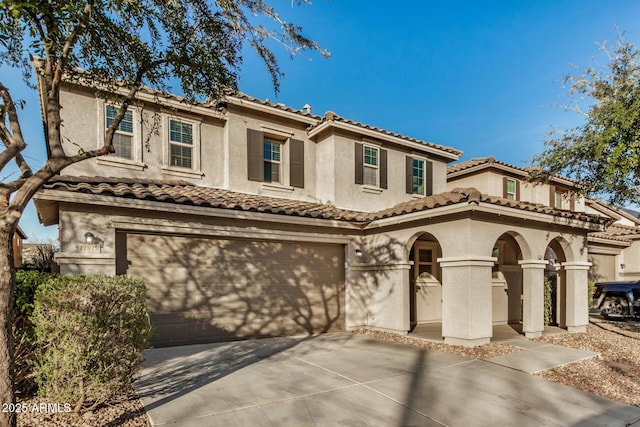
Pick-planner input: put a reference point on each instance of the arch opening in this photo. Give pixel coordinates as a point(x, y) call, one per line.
point(425, 282)
point(507, 280)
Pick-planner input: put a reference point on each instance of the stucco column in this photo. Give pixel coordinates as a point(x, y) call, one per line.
point(533, 296)
point(577, 311)
point(466, 300)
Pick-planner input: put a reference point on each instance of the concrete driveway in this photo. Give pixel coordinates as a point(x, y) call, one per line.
point(350, 380)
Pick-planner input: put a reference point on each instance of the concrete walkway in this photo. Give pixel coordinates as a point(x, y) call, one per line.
point(346, 379)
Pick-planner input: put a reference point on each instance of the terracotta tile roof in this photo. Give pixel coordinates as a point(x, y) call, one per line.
point(181, 192)
point(279, 106)
point(623, 233)
point(472, 195)
point(330, 116)
point(457, 167)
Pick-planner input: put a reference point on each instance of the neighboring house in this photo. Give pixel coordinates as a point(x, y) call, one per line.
point(18, 238)
point(248, 219)
point(614, 252)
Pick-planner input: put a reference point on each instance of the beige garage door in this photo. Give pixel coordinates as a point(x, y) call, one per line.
point(603, 267)
point(204, 290)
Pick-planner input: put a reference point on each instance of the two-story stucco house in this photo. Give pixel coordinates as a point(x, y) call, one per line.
point(249, 219)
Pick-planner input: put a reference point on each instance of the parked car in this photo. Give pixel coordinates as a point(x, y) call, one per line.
point(617, 300)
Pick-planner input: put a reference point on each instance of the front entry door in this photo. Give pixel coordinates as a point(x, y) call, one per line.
point(428, 291)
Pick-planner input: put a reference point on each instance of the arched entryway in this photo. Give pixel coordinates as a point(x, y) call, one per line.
point(425, 278)
point(507, 280)
point(556, 255)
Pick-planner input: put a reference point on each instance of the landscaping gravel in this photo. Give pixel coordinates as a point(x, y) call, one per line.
point(124, 411)
point(615, 374)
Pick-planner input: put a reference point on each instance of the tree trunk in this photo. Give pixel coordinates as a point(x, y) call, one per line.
point(7, 284)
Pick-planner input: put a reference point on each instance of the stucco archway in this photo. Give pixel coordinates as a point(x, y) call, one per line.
point(509, 249)
point(425, 280)
point(558, 251)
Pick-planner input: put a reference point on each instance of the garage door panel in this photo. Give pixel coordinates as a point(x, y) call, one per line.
point(603, 267)
point(217, 289)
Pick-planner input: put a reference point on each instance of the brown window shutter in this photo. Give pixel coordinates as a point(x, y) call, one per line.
point(383, 169)
point(428, 178)
point(409, 175)
point(359, 164)
point(255, 155)
point(572, 202)
point(296, 163)
point(517, 189)
point(505, 187)
point(552, 196)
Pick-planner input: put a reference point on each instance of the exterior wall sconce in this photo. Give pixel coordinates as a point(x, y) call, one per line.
point(358, 253)
point(91, 244)
point(622, 266)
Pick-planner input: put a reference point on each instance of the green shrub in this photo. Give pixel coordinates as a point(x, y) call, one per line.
point(27, 283)
point(90, 331)
point(591, 285)
point(548, 301)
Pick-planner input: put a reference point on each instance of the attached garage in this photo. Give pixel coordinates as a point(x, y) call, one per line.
point(216, 289)
point(603, 267)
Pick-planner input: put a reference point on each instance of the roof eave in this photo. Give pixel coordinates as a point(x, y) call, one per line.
point(465, 206)
point(451, 156)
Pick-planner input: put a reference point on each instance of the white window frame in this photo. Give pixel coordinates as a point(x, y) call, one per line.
point(366, 165)
point(279, 163)
point(558, 197)
point(168, 169)
point(424, 178)
point(135, 163)
point(512, 195)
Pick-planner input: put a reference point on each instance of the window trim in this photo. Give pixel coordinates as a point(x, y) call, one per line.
point(280, 163)
point(366, 165)
point(195, 170)
point(558, 197)
point(515, 189)
point(424, 177)
point(136, 161)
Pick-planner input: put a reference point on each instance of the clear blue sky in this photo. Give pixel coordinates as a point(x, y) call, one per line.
point(482, 77)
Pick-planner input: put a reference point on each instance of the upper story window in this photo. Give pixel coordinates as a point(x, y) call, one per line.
point(180, 144)
point(181, 147)
point(370, 166)
point(127, 136)
point(419, 177)
point(271, 155)
point(510, 188)
point(123, 138)
point(558, 200)
point(275, 158)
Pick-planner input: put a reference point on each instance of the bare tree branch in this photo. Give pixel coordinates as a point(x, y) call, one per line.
point(13, 140)
point(78, 29)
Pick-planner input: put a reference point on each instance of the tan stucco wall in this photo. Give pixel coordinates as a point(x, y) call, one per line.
point(491, 182)
point(329, 174)
point(150, 130)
